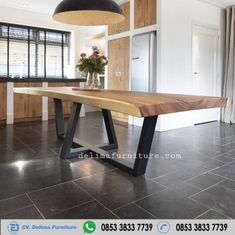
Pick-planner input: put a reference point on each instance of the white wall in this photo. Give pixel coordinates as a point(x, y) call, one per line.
point(177, 19)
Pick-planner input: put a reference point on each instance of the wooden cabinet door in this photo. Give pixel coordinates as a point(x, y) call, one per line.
point(21, 103)
point(118, 71)
point(145, 13)
point(3, 101)
point(73, 84)
point(114, 48)
point(35, 103)
point(124, 60)
point(123, 26)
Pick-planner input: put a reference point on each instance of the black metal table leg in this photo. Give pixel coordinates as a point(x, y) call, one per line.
point(144, 147)
point(68, 149)
point(110, 130)
point(59, 118)
point(70, 132)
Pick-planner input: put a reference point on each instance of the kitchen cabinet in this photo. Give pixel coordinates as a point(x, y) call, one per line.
point(3, 103)
point(21, 103)
point(145, 13)
point(118, 69)
point(26, 107)
point(35, 103)
point(124, 25)
point(66, 104)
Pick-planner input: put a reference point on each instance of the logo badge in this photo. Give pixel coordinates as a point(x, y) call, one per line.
point(163, 227)
point(89, 227)
point(13, 227)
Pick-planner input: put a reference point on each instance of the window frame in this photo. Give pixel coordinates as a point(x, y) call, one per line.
point(35, 37)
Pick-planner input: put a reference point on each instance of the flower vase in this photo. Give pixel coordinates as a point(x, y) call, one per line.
point(93, 81)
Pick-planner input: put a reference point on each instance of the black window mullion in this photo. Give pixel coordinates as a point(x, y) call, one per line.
point(45, 54)
point(28, 52)
point(62, 47)
point(8, 53)
point(36, 39)
point(68, 40)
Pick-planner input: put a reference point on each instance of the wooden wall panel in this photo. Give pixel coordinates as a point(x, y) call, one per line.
point(21, 103)
point(123, 26)
point(35, 103)
point(118, 71)
point(3, 101)
point(145, 13)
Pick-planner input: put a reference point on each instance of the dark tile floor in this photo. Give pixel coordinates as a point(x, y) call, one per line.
point(193, 175)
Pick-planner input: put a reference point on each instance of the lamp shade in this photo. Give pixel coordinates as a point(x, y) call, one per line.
point(88, 12)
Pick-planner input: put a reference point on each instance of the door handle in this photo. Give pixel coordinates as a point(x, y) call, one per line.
point(135, 58)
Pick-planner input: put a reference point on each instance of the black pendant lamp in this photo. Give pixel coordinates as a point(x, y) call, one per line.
point(88, 12)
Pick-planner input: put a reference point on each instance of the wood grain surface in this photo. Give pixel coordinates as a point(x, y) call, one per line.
point(3, 103)
point(137, 104)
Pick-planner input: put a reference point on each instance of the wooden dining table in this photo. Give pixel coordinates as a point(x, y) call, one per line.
point(139, 104)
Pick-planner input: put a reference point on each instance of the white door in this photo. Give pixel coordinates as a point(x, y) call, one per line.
point(206, 79)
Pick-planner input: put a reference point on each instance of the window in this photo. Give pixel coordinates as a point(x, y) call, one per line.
point(33, 52)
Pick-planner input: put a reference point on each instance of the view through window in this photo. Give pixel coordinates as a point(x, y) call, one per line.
point(33, 52)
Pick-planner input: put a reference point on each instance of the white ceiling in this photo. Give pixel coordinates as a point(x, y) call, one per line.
point(221, 3)
point(48, 6)
point(43, 6)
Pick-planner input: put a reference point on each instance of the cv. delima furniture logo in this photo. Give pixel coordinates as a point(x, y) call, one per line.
point(13, 227)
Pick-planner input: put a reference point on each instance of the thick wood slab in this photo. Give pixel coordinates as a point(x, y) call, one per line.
point(137, 104)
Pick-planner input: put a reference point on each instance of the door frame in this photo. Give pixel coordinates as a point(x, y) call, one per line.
point(207, 30)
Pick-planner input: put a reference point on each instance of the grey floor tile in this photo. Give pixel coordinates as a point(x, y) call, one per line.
point(230, 154)
point(224, 159)
point(13, 204)
point(205, 181)
point(176, 184)
point(170, 205)
point(229, 184)
point(219, 198)
point(184, 189)
point(25, 213)
point(115, 189)
point(29, 161)
point(27, 175)
point(157, 168)
point(132, 211)
point(90, 210)
point(58, 198)
point(227, 171)
point(188, 173)
point(211, 214)
point(91, 166)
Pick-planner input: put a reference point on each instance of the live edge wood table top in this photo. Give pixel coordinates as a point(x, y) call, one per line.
point(147, 105)
point(137, 104)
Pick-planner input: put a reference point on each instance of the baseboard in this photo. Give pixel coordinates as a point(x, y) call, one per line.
point(21, 120)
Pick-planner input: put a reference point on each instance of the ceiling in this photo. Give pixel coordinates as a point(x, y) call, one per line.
point(221, 3)
point(42, 6)
point(48, 6)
